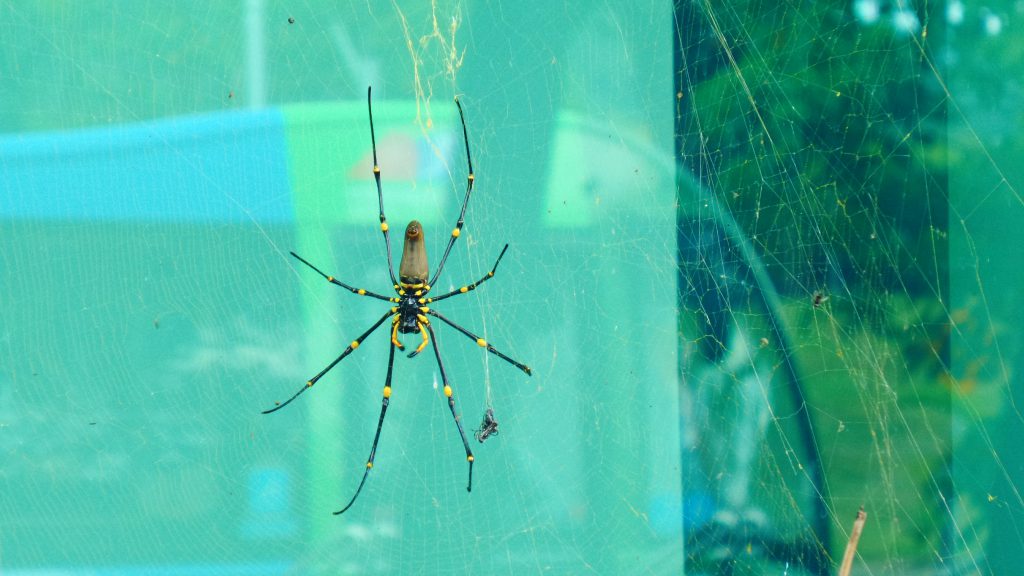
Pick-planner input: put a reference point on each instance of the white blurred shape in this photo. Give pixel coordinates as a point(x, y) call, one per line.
point(955, 12)
point(867, 11)
point(905, 21)
point(993, 24)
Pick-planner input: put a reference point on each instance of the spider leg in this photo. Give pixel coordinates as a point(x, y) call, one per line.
point(482, 343)
point(380, 192)
point(376, 437)
point(451, 405)
point(334, 280)
point(472, 286)
point(469, 190)
point(355, 344)
point(423, 322)
point(394, 332)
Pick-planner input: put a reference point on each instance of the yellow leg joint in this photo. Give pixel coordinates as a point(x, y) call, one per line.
point(469, 458)
point(394, 334)
point(481, 342)
point(455, 232)
point(423, 332)
point(330, 278)
point(309, 383)
point(361, 292)
point(354, 344)
point(383, 225)
point(448, 391)
point(464, 289)
point(387, 391)
point(376, 169)
point(369, 464)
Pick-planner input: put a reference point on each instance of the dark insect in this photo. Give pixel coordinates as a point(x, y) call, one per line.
point(818, 299)
point(488, 428)
point(410, 309)
point(291, 20)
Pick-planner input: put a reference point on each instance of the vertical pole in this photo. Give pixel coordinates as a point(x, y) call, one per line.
point(255, 54)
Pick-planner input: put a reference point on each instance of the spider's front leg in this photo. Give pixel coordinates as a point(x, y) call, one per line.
point(396, 323)
point(451, 405)
point(422, 323)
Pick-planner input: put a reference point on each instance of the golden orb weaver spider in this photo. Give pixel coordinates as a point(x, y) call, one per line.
point(410, 310)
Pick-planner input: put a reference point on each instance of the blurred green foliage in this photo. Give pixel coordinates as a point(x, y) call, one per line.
point(827, 141)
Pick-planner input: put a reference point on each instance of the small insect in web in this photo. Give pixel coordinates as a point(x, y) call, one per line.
point(818, 298)
point(410, 310)
point(488, 428)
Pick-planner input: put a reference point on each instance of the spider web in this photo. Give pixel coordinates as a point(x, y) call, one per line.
point(762, 259)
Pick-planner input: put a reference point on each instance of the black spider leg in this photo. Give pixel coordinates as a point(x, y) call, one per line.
point(451, 405)
point(472, 286)
point(355, 344)
point(376, 438)
point(380, 192)
point(481, 342)
point(334, 280)
point(465, 202)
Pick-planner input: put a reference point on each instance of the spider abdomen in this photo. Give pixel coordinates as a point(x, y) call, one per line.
point(413, 268)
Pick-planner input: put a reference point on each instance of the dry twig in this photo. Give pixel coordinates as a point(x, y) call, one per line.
point(851, 545)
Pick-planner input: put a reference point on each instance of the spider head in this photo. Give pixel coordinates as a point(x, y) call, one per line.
point(413, 268)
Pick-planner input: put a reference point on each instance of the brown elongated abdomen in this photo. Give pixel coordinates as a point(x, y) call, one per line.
point(413, 269)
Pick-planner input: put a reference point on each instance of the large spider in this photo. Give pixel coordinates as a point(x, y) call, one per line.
point(410, 310)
